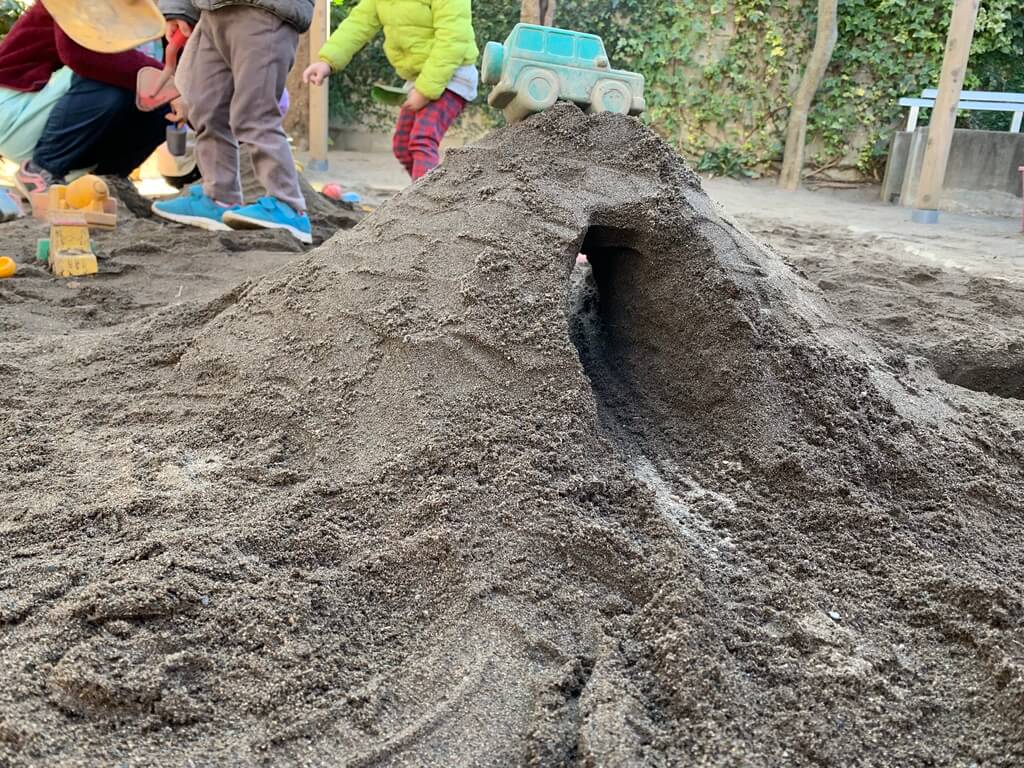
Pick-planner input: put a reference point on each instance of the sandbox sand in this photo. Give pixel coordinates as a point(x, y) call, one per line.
point(431, 495)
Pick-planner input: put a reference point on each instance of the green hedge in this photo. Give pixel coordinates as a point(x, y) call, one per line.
point(10, 10)
point(720, 74)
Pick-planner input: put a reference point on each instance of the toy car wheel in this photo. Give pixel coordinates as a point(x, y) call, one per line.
point(610, 96)
point(43, 249)
point(494, 59)
point(540, 88)
point(536, 90)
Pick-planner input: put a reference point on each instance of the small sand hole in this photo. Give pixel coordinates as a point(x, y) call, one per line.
point(601, 296)
point(1000, 377)
point(607, 255)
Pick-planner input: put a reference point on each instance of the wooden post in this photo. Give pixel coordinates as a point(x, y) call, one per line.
point(538, 12)
point(940, 129)
point(318, 106)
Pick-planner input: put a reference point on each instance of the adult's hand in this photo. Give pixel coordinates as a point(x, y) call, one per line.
point(178, 25)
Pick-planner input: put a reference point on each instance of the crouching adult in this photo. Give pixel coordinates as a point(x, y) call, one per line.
point(65, 108)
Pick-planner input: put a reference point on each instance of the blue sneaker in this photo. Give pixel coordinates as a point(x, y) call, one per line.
point(270, 213)
point(194, 208)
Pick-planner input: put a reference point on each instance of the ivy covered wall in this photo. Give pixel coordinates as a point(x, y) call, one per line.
point(10, 10)
point(720, 72)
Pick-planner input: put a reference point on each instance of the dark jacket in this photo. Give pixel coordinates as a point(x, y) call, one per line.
point(298, 13)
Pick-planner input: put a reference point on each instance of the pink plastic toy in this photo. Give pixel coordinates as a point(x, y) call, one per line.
point(155, 87)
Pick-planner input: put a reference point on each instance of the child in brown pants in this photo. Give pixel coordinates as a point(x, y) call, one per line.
point(234, 70)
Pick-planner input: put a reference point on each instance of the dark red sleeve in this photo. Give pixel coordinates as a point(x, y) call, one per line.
point(118, 69)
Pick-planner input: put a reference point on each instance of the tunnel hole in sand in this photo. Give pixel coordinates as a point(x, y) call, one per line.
point(995, 375)
point(670, 355)
point(603, 290)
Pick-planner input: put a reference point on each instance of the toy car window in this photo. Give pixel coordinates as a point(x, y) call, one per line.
point(589, 49)
point(560, 45)
point(531, 40)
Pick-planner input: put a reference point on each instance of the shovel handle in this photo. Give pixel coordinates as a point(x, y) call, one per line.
point(174, 47)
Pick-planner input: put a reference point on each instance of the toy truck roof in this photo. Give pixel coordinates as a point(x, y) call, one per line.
point(532, 40)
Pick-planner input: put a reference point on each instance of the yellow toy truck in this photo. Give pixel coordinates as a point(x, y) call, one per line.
point(71, 210)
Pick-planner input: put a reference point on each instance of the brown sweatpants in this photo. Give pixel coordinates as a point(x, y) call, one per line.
point(232, 76)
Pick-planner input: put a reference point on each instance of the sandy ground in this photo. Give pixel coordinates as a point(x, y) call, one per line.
point(428, 495)
point(145, 264)
point(952, 293)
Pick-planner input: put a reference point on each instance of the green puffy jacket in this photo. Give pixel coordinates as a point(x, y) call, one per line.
point(425, 40)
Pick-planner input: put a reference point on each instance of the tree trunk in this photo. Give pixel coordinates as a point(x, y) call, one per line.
point(296, 122)
point(796, 133)
point(538, 12)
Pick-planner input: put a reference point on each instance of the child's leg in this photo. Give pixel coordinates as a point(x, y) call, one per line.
point(209, 90)
point(432, 122)
point(252, 190)
point(400, 141)
point(261, 50)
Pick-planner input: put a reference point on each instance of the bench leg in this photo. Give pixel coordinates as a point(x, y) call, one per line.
point(1015, 125)
point(912, 119)
point(1021, 169)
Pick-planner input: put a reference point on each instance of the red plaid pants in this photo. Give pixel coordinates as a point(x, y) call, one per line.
point(418, 134)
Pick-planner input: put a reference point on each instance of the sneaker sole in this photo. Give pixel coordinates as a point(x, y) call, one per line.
point(195, 221)
point(235, 221)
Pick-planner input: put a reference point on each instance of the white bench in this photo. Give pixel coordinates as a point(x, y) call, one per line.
point(985, 101)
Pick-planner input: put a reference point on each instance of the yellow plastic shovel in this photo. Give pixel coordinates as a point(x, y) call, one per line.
point(108, 26)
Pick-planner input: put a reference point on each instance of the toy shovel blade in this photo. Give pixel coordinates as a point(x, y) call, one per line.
point(389, 95)
point(153, 88)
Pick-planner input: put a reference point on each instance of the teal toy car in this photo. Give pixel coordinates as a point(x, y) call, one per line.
point(536, 66)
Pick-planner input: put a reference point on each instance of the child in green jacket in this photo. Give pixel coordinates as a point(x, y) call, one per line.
point(431, 45)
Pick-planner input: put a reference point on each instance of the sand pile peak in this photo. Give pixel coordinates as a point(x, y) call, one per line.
point(432, 495)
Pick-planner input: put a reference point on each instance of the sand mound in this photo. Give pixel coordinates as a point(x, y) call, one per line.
point(430, 496)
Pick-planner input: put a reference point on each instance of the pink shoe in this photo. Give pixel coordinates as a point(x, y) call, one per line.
point(31, 179)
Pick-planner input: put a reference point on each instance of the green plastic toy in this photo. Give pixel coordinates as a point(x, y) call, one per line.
point(536, 66)
point(43, 248)
point(389, 95)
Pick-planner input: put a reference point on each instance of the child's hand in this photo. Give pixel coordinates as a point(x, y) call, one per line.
point(316, 73)
point(178, 113)
point(176, 25)
point(416, 101)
